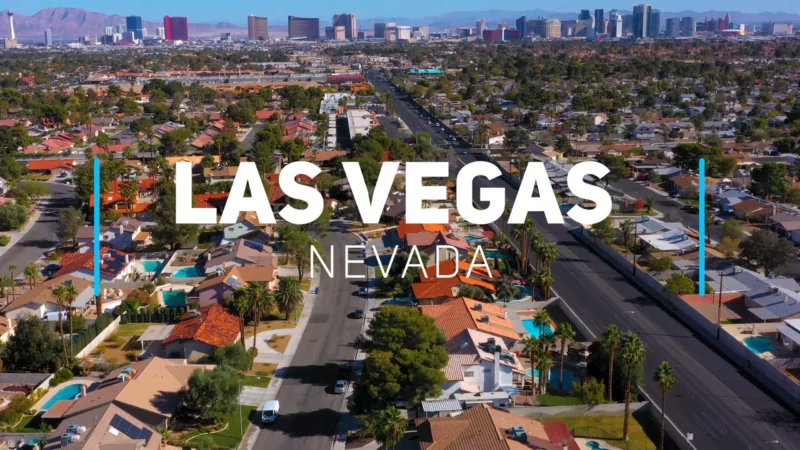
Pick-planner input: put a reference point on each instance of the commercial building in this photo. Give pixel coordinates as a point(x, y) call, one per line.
point(480, 27)
point(774, 29)
point(688, 27)
point(420, 32)
point(552, 29)
point(134, 24)
point(257, 28)
point(336, 33)
point(627, 24)
point(300, 27)
point(641, 19)
point(584, 15)
point(673, 27)
point(403, 33)
point(654, 23)
point(161, 33)
point(615, 25)
point(522, 26)
point(568, 27)
point(176, 28)
point(379, 29)
point(348, 21)
point(48, 37)
point(492, 35)
point(599, 21)
point(121, 29)
point(538, 27)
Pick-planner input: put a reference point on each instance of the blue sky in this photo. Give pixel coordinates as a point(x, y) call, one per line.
point(236, 11)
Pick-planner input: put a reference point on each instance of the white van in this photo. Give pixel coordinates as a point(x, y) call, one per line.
point(269, 411)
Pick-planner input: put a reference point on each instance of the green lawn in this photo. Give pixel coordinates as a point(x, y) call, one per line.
point(609, 428)
point(557, 400)
point(28, 424)
point(233, 434)
point(133, 329)
point(254, 380)
point(305, 285)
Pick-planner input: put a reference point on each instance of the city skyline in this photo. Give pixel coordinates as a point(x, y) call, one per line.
point(237, 13)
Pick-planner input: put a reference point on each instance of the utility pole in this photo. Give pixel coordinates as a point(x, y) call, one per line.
point(719, 306)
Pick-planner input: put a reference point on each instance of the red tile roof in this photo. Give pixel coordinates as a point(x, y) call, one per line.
point(214, 326)
point(459, 314)
point(51, 164)
point(113, 262)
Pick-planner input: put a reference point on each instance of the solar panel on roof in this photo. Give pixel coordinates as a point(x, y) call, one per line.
point(234, 283)
point(129, 429)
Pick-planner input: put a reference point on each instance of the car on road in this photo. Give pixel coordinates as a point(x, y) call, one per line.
point(400, 301)
point(50, 269)
point(363, 292)
point(358, 314)
point(269, 411)
point(340, 387)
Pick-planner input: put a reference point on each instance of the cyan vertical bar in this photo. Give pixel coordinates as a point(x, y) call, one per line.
point(701, 280)
point(97, 201)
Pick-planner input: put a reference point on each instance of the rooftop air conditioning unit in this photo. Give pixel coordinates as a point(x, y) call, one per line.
point(478, 307)
point(485, 318)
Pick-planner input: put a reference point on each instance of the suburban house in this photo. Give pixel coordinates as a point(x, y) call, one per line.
point(219, 173)
point(496, 134)
point(52, 166)
point(41, 303)
point(785, 225)
point(201, 331)
point(220, 285)
point(238, 253)
point(768, 299)
point(486, 427)
point(395, 208)
point(115, 265)
point(434, 245)
point(752, 210)
point(7, 325)
point(248, 227)
point(143, 395)
point(123, 234)
point(459, 314)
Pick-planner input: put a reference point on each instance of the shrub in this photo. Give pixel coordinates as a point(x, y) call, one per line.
point(160, 281)
point(149, 288)
point(131, 355)
point(4, 240)
point(139, 296)
point(63, 374)
point(18, 406)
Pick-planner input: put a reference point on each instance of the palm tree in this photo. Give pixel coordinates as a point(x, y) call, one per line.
point(524, 232)
point(627, 227)
point(538, 242)
point(530, 346)
point(5, 283)
point(11, 269)
point(60, 294)
point(632, 352)
point(498, 240)
point(548, 254)
point(611, 340)
point(388, 426)
point(544, 362)
point(665, 375)
point(288, 296)
point(544, 279)
point(506, 290)
point(32, 274)
point(506, 215)
point(541, 319)
point(261, 300)
point(565, 333)
point(240, 303)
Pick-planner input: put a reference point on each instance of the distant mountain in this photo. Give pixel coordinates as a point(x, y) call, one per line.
point(70, 23)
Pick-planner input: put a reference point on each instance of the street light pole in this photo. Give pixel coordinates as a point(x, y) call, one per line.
point(241, 429)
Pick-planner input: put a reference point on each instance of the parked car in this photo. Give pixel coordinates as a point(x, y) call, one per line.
point(358, 314)
point(363, 292)
point(340, 387)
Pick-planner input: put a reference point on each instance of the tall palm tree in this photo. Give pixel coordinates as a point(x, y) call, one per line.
point(548, 254)
point(665, 375)
point(60, 295)
point(11, 269)
point(388, 426)
point(240, 303)
point(537, 243)
point(32, 274)
point(506, 290)
point(541, 319)
point(545, 362)
point(288, 296)
point(632, 353)
point(506, 215)
point(611, 340)
point(627, 227)
point(544, 279)
point(70, 295)
point(530, 345)
point(565, 333)
point(5, 283)
point(261, 301)
point(547, 341)
point(523, 232)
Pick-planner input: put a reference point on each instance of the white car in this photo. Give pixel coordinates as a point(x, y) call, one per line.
point(340, 387)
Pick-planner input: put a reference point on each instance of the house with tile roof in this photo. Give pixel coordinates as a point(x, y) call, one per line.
point(107, 427)
point(220, 285)
point(40, 302)
point(753, 209)
point(433, 289)
point(240, 252)
point(438, 244)
point(404, 228)
point(201, 331)
point(248, 227)
point(459, 314)
point(115, 265)
point(485, 427)
point(52, 166)
point(219, 173)
point(150, 391)
point(124, 234)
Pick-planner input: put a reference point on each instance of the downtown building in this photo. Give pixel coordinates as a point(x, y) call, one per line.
point(673, 29)
point(641, 20)
point(688, 27)
point(134, 24)
point(335, 33)
point(379, 29)
point(654, 23)
point(348, 21)
point(257, 28)
point(302, 27)
point(176, 28)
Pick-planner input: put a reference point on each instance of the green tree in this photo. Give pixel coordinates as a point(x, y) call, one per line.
point(65, 295)
point(616, 165)
point(732, 229)
point(632, 354)
point(763, 249)
point(524, 231)
point(565, 333)
point(167, 232)
point(234, 356)
point(261, 300)
point(665, 376)
point(661, 264)
point(542, 320)
point(212, 393)
point(770, 179)
point(506, 290)
point(612, 338)
point(604, 230)
point(590, 392)
point(288, 296)
point(388, 426)
point(12, 216)
point(516, 138)
point(33, 273)
point(544, 279)
point(70, 220)
point(680, 284)
point(471, 291)
point(32, 347)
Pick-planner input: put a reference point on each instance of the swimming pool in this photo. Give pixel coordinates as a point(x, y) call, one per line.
point(553, 378)
point(527, 291)
point(65, 393)
point(152, 266)
point(758, 344)
point(494, 254)
point(471, 239)
point(594, 445)
point(188, 272)
point(174, 298)
point(534, 330)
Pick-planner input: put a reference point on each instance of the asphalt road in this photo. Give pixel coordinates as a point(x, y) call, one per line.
point(309, 409)
point(42, 236)
point(713, 400)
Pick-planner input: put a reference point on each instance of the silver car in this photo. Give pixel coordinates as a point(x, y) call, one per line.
point(340, 387)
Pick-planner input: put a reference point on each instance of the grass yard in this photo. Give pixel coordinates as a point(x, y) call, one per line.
point(28, 424)
point(112, 348)
point(266, 326)
point(261, 381)
point(233, 434)
point(557, 400)
point(609, 428)
point(279, 343)
point(133, 329)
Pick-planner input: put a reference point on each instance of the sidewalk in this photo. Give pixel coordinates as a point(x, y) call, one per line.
point(250, 437)
point(17, 235)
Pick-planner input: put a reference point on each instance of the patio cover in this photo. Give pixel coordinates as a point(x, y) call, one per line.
point(435, 406)
point(789, 332)
point(763, 313)
point(156, 333)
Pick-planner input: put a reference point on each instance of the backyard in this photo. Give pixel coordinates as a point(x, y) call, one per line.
point(119, 347)
point(609, 428)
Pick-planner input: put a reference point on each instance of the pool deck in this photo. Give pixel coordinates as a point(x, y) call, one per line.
point(740, 332)
point(603, 444)
point(43, 401)
point(171, 287)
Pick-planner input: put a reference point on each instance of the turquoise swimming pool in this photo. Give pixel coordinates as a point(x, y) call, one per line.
point(758, 344)
point(534, 330)
point(152, 266)
point(553, 378)
point(494, 254)
point(188, 272)
point(594, 445)
point(471, 239)
point(174, 298)
point(65, 393)
point(527, 291)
